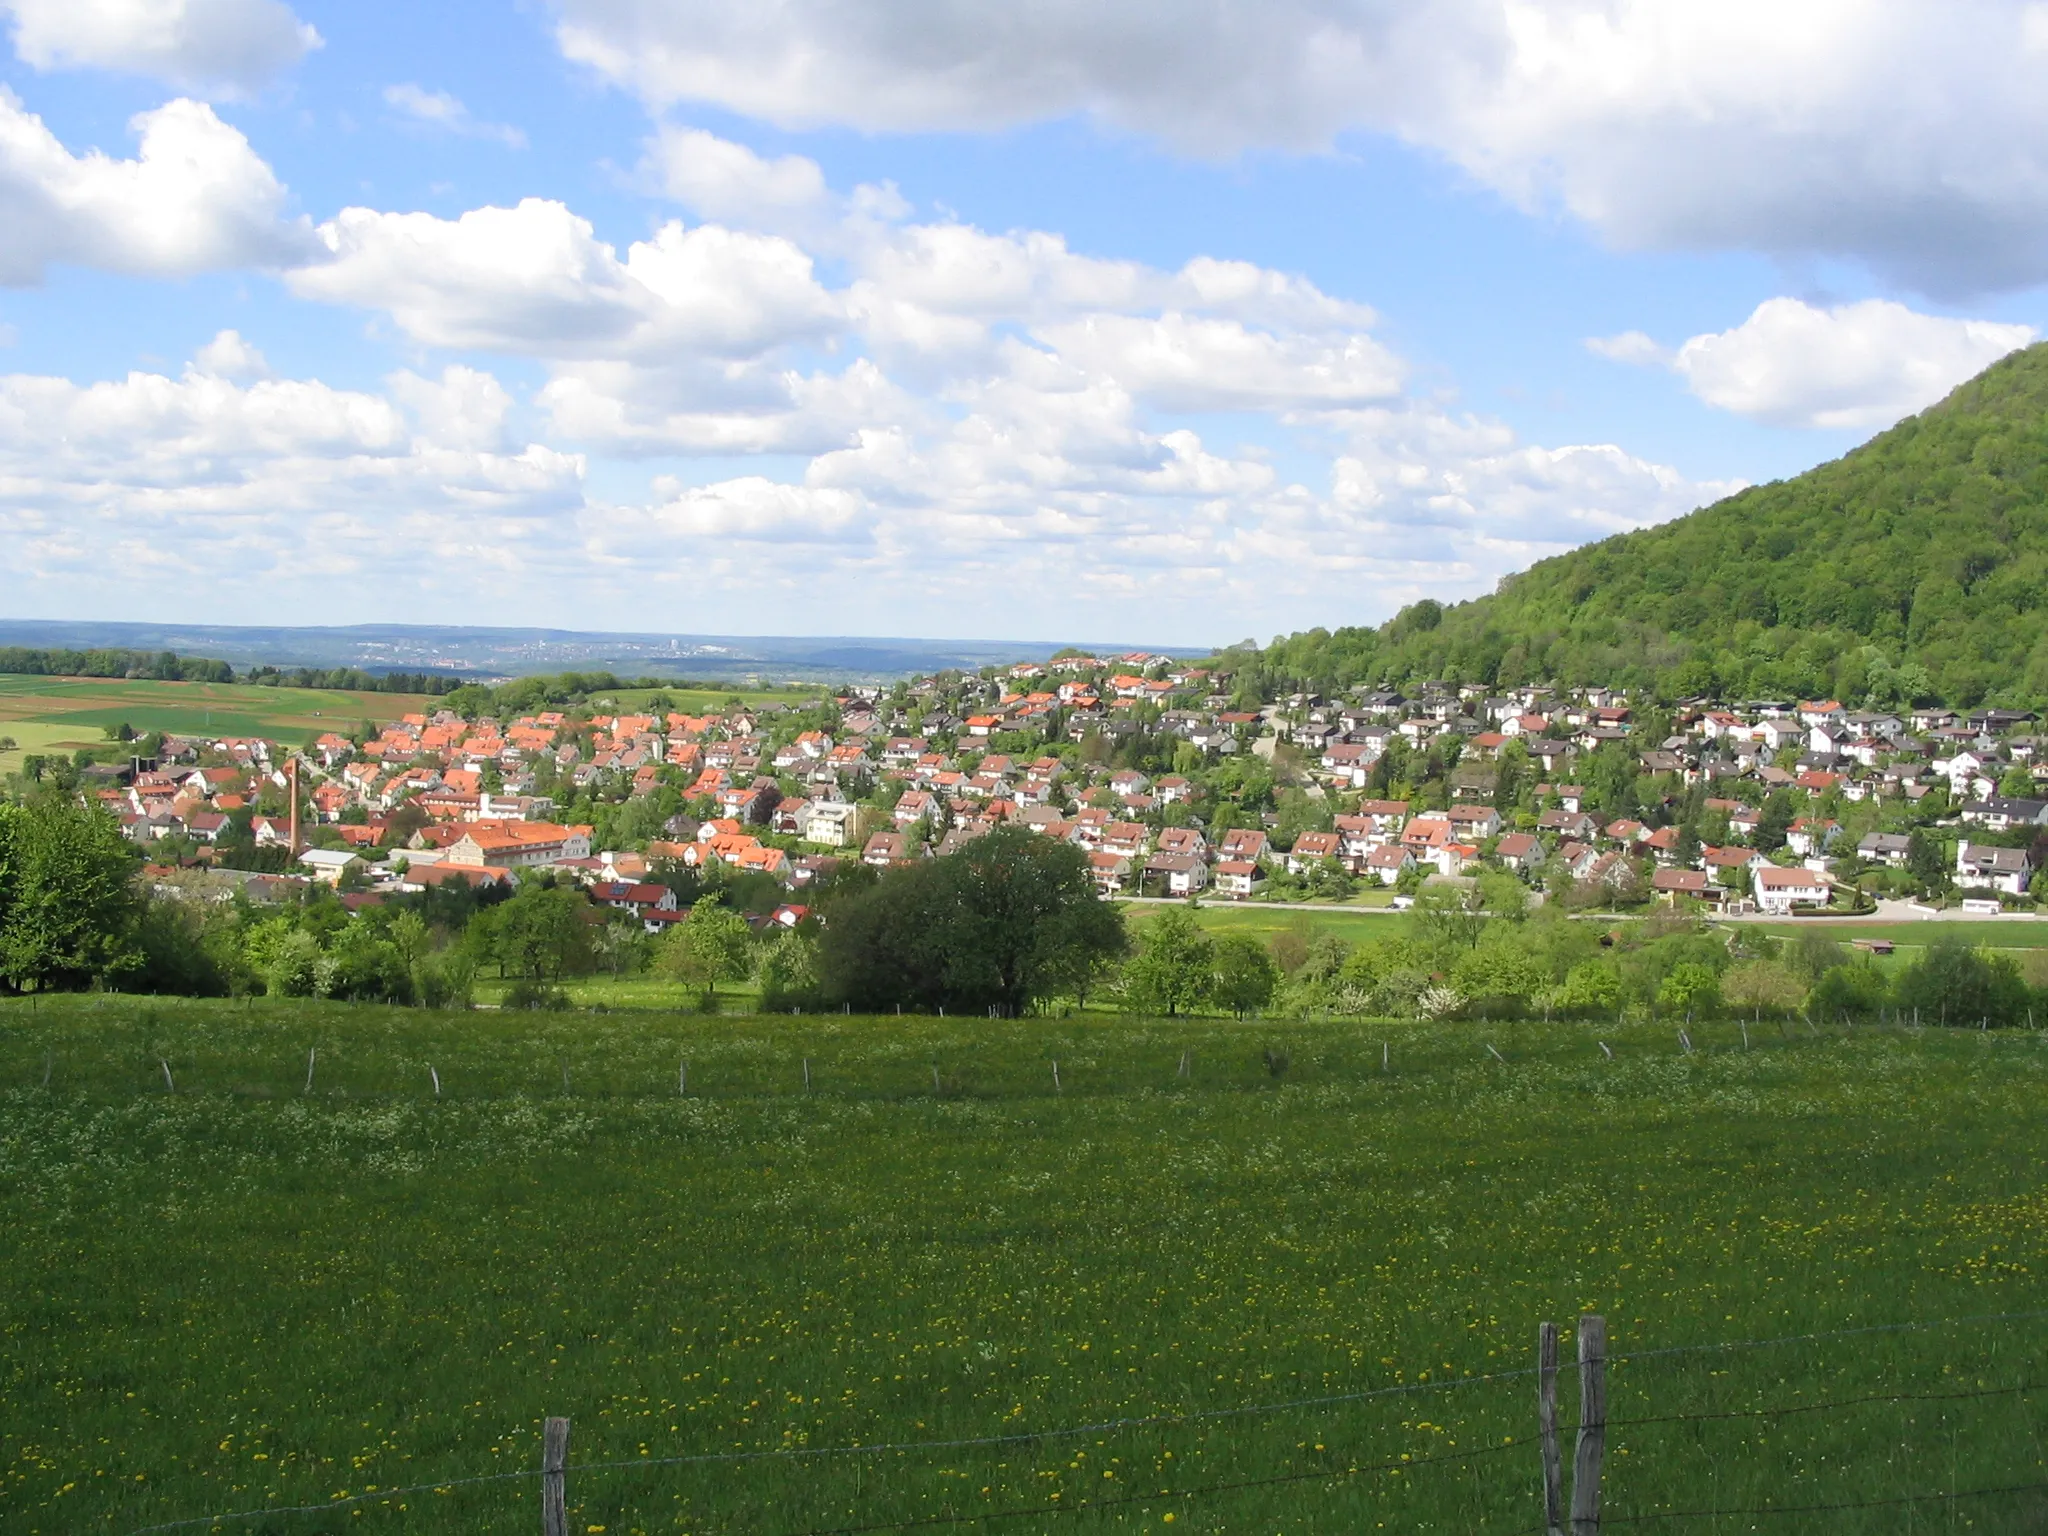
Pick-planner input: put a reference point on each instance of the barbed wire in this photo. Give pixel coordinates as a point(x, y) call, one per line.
point(336, 1503)
point(1845, 1402)
point(1169, 1494)
point(1822, 1509)
point(1191, 1416)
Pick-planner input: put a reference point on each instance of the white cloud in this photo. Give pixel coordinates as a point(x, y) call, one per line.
point(195, 198)
point(219, 47)
point(229, 356)
point(1629, 347)
point(1909, 135)
point(1186, 363)
point(438, 109)
point(284, 497)
point(536, 279)
point(1856, 366)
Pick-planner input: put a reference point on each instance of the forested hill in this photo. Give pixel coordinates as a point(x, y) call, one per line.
point(1913, 568)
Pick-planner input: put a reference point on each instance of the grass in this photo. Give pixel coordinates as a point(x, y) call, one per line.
point(1993, 934)
point(39, 736)
point(242, 1296)
point(1356, 925)
point(705, 701)
point(81, 707)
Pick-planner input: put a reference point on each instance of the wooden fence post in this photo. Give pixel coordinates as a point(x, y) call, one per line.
point(554, 1495)
point(1546, 1420)
point(1592, 1446)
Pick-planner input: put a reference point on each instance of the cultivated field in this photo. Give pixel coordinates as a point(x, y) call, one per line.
point(1180, 1290)
point(71, 712)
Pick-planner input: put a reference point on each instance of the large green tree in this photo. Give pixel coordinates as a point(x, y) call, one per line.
point(1007, 922)
point(1173, 971)
point(68, 906)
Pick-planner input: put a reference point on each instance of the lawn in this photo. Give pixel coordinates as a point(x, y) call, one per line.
point(83, 706)
point(1354, 924)
point(1305, 1287)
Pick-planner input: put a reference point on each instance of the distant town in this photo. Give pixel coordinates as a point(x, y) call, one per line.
point(1173, 787)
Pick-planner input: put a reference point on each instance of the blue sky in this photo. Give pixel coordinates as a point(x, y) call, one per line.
point(926, 317)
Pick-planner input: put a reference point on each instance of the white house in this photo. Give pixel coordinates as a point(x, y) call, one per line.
point(1992, 869)
point(1777, 890)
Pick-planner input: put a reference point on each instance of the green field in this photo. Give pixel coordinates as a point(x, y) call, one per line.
point(42, 736)
point(1355, 925)
point(81, 707)
point(1308, 1286)
point(705, 701)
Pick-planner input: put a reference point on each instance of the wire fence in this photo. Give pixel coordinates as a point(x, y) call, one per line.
point(1514, 1491)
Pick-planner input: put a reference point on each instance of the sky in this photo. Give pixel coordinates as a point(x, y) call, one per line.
point(1187, 321)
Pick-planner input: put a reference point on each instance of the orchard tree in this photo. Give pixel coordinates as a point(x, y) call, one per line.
point(1173, 970)
point(68, 907)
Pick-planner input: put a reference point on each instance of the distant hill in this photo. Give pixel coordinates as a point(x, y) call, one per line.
point(1914, 568)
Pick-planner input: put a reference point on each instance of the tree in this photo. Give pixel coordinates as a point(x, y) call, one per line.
point(542, 933)
point(1690, 988)
point(1243, 976)
point(1774, 821)
point(1174, 968)
point(1954, 982)
point(709, 947)
point(1927, 862)
point(68, 908)
point(1006, 922)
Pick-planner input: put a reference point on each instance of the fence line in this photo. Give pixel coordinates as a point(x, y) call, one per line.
point(1822, 1509)
point(1196, 1491)
point(1199, 1416)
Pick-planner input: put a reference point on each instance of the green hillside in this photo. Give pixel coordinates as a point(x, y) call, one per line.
point(1912, 569)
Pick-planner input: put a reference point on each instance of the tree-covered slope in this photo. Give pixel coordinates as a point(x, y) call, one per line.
point(1915, 567)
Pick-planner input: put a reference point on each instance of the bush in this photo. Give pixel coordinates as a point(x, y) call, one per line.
point(538, 995)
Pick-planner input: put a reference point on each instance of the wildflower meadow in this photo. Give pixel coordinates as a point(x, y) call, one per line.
point(294, 1267)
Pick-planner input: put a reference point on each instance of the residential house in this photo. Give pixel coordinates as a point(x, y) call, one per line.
point(1779, 890)
point(1180, 874)
point(2006, 870)
point(1237, 877)
point(1311, 848)
point(1243, 845)
point(1885, 848)
point(1519, 851)
point(1387, 863)
point(1674, 885)
point(1109, 871)
point(834, 823)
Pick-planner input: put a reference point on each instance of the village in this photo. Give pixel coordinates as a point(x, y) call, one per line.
point(1741, 808)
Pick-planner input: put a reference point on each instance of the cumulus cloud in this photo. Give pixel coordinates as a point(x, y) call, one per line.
point(1856, 366)
point(196, 197)
point(438, 109)
point(936, 413)
point(213, 47)
point(229, 356)
point(1907, 135)
point(536, 279)
point(281, 491)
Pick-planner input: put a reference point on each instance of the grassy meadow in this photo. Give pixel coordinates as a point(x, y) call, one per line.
point(62, 713)
point(1179, 1291)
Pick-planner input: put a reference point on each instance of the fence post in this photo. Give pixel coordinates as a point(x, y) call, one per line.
point(1546, 1420)
point(1592, 1446)
point(554, 1498)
